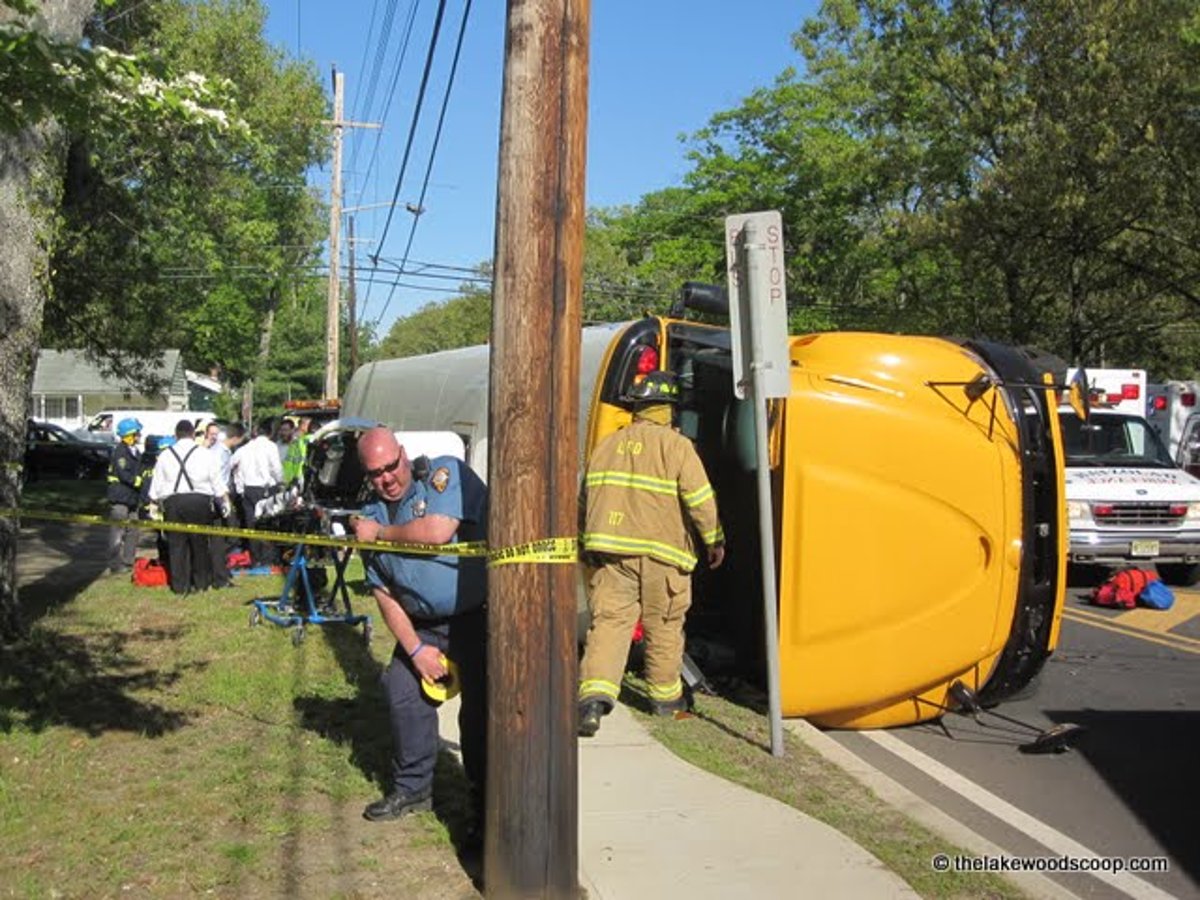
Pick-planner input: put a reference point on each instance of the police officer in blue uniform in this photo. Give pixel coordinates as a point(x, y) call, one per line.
point(433, 605)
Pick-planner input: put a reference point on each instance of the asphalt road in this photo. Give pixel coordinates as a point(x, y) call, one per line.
point(1131, 786)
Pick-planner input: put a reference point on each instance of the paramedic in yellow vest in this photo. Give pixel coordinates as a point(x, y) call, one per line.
point(647, 500)
point(293, 451)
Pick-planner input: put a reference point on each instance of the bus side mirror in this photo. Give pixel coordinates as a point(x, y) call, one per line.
point(1078, 395)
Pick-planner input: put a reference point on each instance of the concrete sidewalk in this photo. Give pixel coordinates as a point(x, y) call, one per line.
point(652, 825)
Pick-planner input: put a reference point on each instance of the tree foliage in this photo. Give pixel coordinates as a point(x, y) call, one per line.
point(1022, 170)
point(462, 321)
point(173, 236)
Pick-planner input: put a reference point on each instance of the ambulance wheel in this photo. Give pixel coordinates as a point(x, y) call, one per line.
point(255, 617)
point(298, 635)
point(1179, 574)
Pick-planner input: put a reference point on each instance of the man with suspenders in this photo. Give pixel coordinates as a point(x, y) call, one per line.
point(187, 483)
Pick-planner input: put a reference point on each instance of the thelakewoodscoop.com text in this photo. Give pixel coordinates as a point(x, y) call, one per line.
point(945, 862)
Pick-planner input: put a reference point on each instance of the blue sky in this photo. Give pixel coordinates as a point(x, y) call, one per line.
point(658, 69)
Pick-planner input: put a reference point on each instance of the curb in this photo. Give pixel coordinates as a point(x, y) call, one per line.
point(905, 801)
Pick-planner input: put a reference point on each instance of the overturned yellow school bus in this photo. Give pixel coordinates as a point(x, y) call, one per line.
point(918, 503)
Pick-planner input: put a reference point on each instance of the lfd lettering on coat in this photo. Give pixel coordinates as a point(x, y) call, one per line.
point(629, 448)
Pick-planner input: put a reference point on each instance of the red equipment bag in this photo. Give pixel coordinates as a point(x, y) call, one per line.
point(1122, 589)
point(149, 572)
point(238, 559)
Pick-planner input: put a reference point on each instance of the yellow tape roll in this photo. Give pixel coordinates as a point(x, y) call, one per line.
point(446, 688)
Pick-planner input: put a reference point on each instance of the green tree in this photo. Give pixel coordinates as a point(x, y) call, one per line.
point(174, 238)
point(461, 321)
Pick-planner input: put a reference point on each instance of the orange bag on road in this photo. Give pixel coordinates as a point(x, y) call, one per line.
point(1121, 591)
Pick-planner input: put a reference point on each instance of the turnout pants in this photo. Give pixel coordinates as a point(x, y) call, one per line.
point(620, 589)
point(189, 566)
point(413, 716)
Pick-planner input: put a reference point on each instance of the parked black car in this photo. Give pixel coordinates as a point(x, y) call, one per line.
point(53, 452)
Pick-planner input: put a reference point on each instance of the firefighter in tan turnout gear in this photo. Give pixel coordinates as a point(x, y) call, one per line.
point(647, 500)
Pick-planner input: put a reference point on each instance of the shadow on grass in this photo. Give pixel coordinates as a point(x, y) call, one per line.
point(360, 723)
point(52, 679)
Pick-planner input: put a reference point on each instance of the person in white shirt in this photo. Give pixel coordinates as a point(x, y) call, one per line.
point(187, 484)
point(223, 512)
point(257, 466)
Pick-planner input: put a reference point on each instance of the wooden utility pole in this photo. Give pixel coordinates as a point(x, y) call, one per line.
point(353, 300)
point(532, 805)
point(335, 221)
point(333, 306)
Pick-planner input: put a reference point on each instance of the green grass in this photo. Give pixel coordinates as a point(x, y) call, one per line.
point(731, 740)
point(157, 746)
point(82, 496)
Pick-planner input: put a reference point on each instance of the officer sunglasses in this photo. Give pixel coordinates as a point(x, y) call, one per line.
point(384, 470)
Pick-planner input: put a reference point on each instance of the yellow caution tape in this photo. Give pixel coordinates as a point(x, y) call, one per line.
point(470, 549)
point(551, 551)
point(548, 550)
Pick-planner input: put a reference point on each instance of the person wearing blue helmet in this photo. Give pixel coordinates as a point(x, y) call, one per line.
point(124, 495)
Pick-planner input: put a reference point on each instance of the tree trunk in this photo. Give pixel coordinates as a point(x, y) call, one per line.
point(264, 352)
point(31, 168)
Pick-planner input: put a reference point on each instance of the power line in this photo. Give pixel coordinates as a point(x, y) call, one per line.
point(437, 27)
point(462, 30)
point(357, 111)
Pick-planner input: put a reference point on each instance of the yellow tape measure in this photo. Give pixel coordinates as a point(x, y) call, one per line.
point(446, 687)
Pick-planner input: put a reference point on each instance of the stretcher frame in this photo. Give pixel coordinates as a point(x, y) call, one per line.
point(306, 610)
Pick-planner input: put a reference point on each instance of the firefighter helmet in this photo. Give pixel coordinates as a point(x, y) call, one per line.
point(128, 426)
point(656, 387)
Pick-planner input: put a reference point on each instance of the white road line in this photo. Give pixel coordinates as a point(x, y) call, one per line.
point(1048, 837)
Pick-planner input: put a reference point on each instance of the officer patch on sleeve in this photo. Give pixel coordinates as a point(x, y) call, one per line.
point(440, 479)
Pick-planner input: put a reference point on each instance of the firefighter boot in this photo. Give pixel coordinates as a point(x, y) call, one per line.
point(669, 707)
point(590, 713)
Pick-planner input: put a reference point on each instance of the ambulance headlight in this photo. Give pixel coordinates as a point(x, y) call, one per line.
point(1078, 512)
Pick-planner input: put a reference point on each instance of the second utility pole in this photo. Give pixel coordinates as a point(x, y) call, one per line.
point(333, 306)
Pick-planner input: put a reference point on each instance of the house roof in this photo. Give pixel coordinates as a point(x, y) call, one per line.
point(69, 371)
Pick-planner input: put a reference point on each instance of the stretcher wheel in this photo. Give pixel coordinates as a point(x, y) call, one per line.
point(255, 617)
point(298, 635)
point(368, 633)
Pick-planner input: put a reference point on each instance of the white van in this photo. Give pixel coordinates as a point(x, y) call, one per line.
point(1127, 500)
point(158, 422)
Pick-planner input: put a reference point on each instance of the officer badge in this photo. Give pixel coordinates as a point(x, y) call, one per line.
point(419, 509)
point(440, 479)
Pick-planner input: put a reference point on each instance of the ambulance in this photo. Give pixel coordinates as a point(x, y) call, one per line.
point(1128, 502)
point(917, 481)
point(1169, 405)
